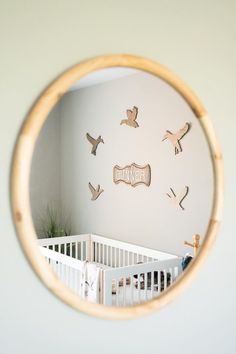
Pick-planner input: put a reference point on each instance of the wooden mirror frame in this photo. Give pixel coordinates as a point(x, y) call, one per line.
point(21, 173)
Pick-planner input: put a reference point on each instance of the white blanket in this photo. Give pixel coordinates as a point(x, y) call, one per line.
point(90, 282)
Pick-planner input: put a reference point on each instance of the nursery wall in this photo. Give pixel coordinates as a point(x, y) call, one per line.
point(45, 178)
point(39, 40)
point(141, 215)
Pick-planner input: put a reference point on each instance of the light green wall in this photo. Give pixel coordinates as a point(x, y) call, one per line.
point(40, 39)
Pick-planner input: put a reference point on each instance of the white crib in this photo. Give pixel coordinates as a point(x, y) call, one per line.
point(129, 274)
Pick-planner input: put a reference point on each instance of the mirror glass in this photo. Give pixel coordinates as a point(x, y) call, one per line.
point(121, 187)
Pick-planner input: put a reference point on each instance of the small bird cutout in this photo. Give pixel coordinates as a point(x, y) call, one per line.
point(176, 137)
point(132, 117)
point(95, 192)
point(178, 199)
point(94, 142)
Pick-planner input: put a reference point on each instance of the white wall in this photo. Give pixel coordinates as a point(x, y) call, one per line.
point(141, 215)
point(39, 40)
point(45, 178)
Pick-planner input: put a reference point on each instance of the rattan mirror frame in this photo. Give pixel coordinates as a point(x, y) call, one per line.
point(21, 171)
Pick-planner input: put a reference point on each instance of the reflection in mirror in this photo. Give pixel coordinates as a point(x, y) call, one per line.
point(121, 187)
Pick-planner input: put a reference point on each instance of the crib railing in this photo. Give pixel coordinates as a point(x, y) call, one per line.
point(102, 250)
point(115, 253)
point(78, 247)
point(127, 286)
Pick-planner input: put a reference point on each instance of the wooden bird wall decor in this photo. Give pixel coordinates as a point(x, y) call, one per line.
point(94, 142)
point(95, 192)
point(132, 118)
point(178, 199)
point(175, 138)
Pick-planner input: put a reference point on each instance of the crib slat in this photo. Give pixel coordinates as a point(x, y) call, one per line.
point(115, 257)
point(70, 249)
point(111, 256)
point(97, 247)
point(124, 291)
point(95, 251)
point(171, 275)
point(165, 279)
point(145, 286)
point(87, 243)
point(159, 282)
point(99, 253)
point(139, 288)
point(108, 255)
point(103, 254)
point(152, 284)
point(76, 250)
point(82, 251)
point(132, 290)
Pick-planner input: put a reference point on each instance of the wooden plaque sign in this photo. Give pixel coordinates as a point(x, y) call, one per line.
point(132, 174)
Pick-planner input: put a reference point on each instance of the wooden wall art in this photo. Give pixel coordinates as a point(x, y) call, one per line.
point(95, 192)
point(132, 117)
point(132, 174)
point(178, 199)
point(175, 138)
point(94, 142)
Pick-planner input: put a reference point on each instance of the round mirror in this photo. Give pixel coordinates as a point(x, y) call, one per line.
point(117, 186)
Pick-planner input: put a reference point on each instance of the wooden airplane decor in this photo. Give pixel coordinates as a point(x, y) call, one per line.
point(178, 199)
point(175, 138)
point(132, 118)
point(132, 174)
point(95, 192)
point(94, 142)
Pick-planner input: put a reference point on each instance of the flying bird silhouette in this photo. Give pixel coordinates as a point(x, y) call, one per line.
point(95, 192)
point(94, 142)
point(132, 117)
point(178, 199)
point(176, 137)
